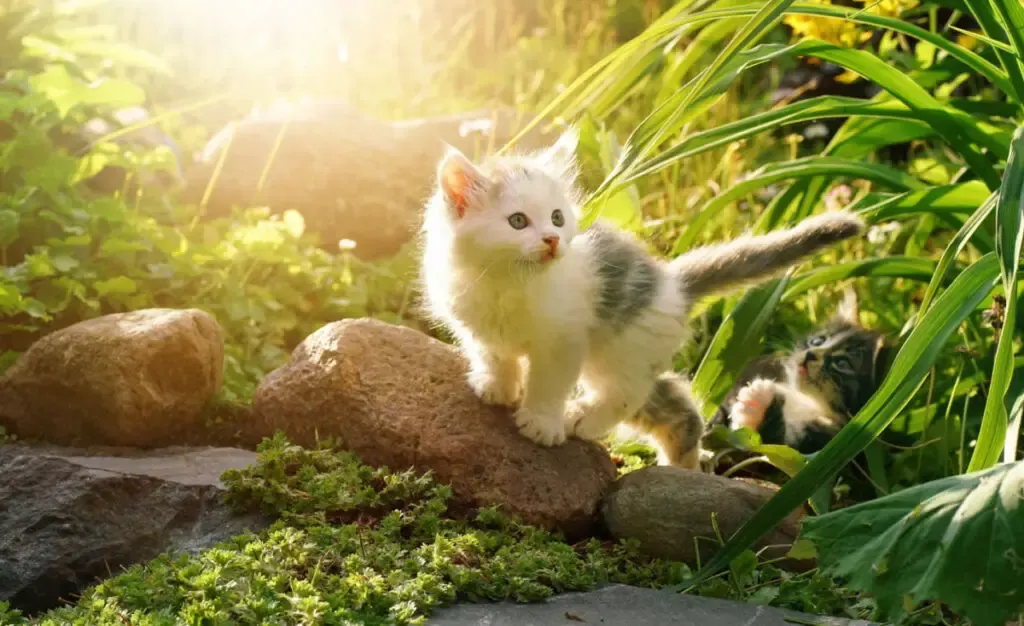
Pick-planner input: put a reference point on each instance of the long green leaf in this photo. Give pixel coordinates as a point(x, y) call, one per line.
point(893, 267)
point(805, 110)
point(1009, 243)
point(959, 198)
point(957, 128)
point(652, 132)
point(955, 247)
point(737, 340)
point(989, 21)
point(908, 372)
point(790, 170)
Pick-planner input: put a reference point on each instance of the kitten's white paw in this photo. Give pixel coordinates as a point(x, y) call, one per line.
point(493, 390)
point(544, 428)
point(751, 403)
point(581, 422)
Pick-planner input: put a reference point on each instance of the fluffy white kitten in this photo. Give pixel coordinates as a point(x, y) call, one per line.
point(539, 307)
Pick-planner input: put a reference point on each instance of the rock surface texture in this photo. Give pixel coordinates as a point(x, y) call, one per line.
point(69, 519)
point(621, 605)
point(128, 379)
point(349, 175)
point(666, 508)
point(399, 399)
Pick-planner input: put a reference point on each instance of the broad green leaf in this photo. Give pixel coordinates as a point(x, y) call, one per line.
point(1009, 245)
point(123, 55)
point(67, 92)
point(957, 540)
point(119, 285)
point(906, 375)
point(10, 299)
point(9, 227)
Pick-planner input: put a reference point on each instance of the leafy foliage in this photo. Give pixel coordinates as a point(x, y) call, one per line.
point(958, 539)
point(69, 253)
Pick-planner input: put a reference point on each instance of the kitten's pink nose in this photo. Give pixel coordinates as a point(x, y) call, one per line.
point(552, 241)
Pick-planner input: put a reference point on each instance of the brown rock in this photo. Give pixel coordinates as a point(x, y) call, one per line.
point(128, 379)
point(666, 508)
point(399, 399)
point(350, 176)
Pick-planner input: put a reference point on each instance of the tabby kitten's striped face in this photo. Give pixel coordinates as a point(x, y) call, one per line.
point(840, 364)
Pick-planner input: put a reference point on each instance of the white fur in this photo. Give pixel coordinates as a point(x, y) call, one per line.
point(525, 313)
point(528, 327)
point(800, 410)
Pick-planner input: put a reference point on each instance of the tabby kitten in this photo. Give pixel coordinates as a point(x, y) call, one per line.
point(541, 309)
point(803, 399)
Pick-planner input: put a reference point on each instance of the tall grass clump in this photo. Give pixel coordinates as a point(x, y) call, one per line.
point(969, 197)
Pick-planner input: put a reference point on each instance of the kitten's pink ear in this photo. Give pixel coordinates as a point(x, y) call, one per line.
point(460, 181)
point(563, 153)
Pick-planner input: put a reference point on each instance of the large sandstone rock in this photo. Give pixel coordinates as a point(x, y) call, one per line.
point(666, 508)
point(128, 379)
point(399, 398)
point(349, 175)
point(69, 519)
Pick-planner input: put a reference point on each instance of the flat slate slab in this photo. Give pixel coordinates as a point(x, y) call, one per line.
point(622, 605)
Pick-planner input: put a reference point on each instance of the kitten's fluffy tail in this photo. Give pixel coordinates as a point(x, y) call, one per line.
point(750, 259)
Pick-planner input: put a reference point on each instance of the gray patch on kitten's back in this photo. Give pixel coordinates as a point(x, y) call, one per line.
point(627, 276)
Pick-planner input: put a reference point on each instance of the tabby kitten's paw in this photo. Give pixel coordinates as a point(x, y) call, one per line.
point(494, 390)
point(547, 429)
point(751, 403)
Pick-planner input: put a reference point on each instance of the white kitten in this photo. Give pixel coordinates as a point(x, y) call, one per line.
point(540, 308)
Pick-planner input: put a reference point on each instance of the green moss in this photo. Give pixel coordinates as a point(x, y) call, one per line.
point(360, 545)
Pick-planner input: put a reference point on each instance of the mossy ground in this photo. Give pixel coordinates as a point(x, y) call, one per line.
point(359, 545)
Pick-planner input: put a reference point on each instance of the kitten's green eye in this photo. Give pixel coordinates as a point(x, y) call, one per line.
point(557, 218)
point(816, 341)
point(518, 221)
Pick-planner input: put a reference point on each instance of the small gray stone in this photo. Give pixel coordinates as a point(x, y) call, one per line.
point(622, 605)
point(671, 511)
point(69, 517)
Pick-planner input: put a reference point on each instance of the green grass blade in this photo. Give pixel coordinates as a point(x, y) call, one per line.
point(790, 170)
point(960, 198)
point(1009, 244)
point(768, 121)
point(988, 16)
point(955, 247)
point(737, 340)
point(909, 370)
point(651, 133)
point(892, 267)
point(972, 60)
point(957, 128)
